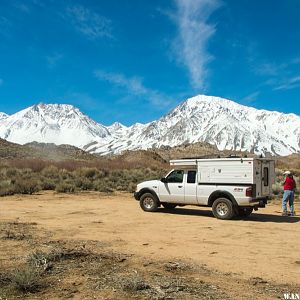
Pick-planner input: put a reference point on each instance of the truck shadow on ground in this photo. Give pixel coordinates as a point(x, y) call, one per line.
point(254, 217)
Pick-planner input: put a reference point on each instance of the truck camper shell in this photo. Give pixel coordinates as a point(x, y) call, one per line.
point(234, 171)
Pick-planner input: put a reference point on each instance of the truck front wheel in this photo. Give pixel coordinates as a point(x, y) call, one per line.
point(222, 209)
point(148, 202)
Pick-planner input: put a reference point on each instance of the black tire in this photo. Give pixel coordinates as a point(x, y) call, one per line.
point(245, 211)
point(169, 205)
point(222, 208)
point(148, 202)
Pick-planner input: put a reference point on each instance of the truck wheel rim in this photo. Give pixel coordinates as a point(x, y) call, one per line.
point(222, 209)
point(148, 202)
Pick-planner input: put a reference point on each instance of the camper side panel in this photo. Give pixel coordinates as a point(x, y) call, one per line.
point(226, 171)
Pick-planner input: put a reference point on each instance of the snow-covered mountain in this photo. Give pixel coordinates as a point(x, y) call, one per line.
point(3, 115)
point(217, 121)
point(52, 123)
point(214, 120)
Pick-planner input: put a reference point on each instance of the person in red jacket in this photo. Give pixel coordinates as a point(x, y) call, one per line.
point(288, 194)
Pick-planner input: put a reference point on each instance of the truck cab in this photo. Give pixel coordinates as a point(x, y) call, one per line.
point(232, 187)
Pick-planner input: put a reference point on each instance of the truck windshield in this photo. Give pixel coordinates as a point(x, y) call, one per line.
point(175, 176)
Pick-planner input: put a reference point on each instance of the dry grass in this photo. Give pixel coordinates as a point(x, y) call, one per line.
point(100, 272)
point(26, 279)
point(16, 230)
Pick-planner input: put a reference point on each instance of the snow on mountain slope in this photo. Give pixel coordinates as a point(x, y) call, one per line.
point(3, 115)
point(214, 120)
point(52, 123)
point(117, 129)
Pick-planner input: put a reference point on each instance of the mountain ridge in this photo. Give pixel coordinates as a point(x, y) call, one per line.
point(214, 120)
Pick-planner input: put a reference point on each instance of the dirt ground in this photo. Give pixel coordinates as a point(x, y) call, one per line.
point(183, 253)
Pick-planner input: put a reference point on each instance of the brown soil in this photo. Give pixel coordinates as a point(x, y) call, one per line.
point(110, 249)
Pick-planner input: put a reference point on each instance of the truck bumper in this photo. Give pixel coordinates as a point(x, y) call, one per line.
point(259, 202)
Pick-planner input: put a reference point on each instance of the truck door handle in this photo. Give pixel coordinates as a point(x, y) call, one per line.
point(180, 186)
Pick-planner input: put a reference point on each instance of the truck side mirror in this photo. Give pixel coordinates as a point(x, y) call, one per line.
point(164, 180)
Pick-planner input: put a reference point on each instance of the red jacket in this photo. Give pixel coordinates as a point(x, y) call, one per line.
point(289, 183)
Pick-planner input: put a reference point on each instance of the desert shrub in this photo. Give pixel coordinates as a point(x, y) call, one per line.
point(131, 187)
point(10, 172)
point(103, 186)
point(47, 184)
point(39, 260)
point(26, 172)
point(65, 175)
point(101, 174)
point(134, 283)
point(50, 172)
point(17, 230)
point(65, 187)
point(105, 189)
point(6, 188)
point(26, 279)
point(88, 172)
point(26, 186)
point(84, 184)
point(276, 189)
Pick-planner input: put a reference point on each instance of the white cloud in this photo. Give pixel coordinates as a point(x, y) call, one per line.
point(251, 97)
point(289, 84)
point(134, 86)
point(5, 26)
point(194, 32)
point(89, 23)
point(22, 7)
point(268, 69)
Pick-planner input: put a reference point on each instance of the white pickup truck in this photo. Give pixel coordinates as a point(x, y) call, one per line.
point(231, 186)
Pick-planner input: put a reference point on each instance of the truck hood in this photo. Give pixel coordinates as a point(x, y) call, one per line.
point(148, 184)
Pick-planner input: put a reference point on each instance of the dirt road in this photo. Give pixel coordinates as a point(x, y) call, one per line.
point(265, 245)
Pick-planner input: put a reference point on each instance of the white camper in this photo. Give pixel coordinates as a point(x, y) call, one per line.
point(231, 186)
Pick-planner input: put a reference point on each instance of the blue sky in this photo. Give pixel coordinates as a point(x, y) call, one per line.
point(134, 60)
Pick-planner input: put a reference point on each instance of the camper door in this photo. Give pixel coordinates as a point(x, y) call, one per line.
point(266, 184)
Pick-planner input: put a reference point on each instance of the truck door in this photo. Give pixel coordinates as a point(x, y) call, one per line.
point(173, 189)
point(266, 184)
point(190, 195)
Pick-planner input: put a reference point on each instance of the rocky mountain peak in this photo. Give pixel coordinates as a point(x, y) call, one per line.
point(205, 119)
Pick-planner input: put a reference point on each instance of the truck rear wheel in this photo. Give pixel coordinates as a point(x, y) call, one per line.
point(169, 205)
point(245, 211)
point(148, 202)
point(222, 209)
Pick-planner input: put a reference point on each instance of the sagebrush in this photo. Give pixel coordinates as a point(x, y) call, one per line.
point(51, 177)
